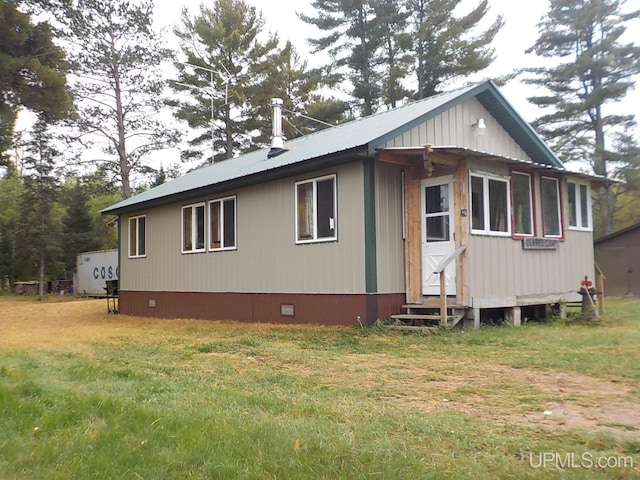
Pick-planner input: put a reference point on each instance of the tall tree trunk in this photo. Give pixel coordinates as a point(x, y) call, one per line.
point(121, 146)
point(606, 198)
point(41, 278)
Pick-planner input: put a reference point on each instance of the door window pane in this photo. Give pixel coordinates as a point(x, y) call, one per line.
point(437, 198)
point(438, 228)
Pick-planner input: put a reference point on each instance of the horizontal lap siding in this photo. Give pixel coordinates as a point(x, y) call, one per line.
point(267, 259)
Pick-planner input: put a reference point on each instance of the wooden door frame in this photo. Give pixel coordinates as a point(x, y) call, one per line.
point(414, 175)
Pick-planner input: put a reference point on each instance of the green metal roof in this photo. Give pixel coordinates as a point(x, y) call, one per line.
point(348, 140)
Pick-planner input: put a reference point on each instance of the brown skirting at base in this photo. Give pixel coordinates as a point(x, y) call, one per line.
point(327, 309)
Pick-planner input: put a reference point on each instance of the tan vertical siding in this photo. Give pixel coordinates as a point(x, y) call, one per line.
point(267, 259)
point(390, 245)
point(453, 128)
point(501, 268)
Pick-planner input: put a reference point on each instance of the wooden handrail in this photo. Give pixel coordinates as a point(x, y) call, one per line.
point(449, 258)
point(443, 287)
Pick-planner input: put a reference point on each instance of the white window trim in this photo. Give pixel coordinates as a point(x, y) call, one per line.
point(531, 209)
point(314, 182)
point(485, 191)
point(582, 228)
point(137, 223)
point(222, 222)
point(559, 205)
point(194, 227)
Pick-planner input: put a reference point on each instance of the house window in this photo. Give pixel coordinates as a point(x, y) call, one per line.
point(193, 228)
point(579, 206)
point(551, 218)
point(138, 236)
point(222, 224)
point(522, 204)
point(316, 210)
point(490, 208)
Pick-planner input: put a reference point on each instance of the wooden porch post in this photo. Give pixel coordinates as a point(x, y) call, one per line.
point(413, 255)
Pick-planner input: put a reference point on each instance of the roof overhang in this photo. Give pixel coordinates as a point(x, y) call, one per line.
point(452, 155)
point(238, 182)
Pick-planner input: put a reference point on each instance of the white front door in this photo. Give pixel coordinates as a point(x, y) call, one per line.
point(437, 233)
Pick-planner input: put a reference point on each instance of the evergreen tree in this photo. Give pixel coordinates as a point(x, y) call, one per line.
point(353, 39)
point(289, 78)
point(32, 72)
point(226, 68)
point(395, 56)
point(444, 45)
point(78, 229)
point(376, 44)
point(37, 229)
point(116, 57)
point(11, 188)
point(593, 69)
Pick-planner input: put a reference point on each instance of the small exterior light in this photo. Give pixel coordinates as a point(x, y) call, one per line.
point(479, 125)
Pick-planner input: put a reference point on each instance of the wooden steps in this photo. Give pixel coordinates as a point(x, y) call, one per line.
point(427, 314)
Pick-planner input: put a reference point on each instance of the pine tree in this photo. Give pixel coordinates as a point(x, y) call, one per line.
point(116, 57)
point(444, 45)
point(78, 228)
point(32, 72)
point(289, 78)
point(37, 229)
point(11, 188)
point(376, 44)
point(592, 68)
point(395, 51)
point(225, 68)
point(353, 40)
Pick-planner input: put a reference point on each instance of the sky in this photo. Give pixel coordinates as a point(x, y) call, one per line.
point(518, 33)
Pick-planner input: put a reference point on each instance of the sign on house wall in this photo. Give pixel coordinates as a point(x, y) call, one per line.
point(536, 243)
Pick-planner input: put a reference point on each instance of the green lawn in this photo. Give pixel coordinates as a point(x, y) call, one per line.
point(87, 395)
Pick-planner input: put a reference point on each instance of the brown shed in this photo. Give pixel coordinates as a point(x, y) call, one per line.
point(618, 255)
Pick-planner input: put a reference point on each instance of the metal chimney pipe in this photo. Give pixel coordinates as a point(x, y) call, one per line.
point(276, 131)
point(277, 141)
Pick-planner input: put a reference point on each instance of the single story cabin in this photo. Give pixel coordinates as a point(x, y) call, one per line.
point(618, 255)
point(453, 199)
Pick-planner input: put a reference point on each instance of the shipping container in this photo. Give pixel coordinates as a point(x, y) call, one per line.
point(93, 270)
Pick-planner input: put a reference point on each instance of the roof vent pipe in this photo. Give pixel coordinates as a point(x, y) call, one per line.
point(277, 140)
